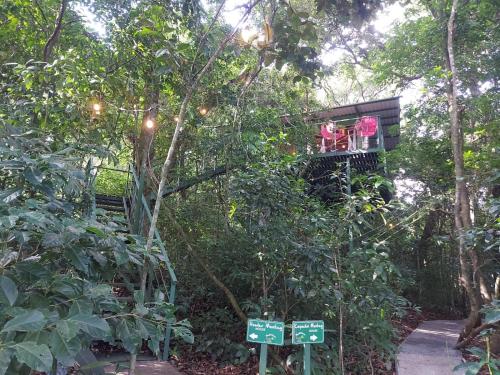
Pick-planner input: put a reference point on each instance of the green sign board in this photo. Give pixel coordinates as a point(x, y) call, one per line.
point(308, 332)
point(265, 332)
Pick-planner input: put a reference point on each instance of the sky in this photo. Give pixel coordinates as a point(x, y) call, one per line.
point(383, 22)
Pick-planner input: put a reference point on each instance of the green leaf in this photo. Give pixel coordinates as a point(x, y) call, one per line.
point(81, 306)
point(139, 297)
point(99, 291)
point(128, 334)
point(492, 316)
point(66, 288)
point(8, 291)
point(148, 329)
point(145, 31)
point(32, 271)
point(28, 322)
point(67, 328)
point(33, 176)
point(154, 345)
point(37, 357)
point(121, 256)
point(64, 350)
point(5, 357)
point(98, 232)
point(471, 368)
point(182, 330)
point(78, 258)
point(38, 337)
point(91, 324)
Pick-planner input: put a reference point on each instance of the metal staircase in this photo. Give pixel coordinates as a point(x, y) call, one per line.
point(137, 212)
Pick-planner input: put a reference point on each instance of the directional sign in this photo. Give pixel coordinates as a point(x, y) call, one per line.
point(308, 332)
point(265, 332)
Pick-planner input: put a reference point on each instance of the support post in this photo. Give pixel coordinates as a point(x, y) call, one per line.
point(307, 359)
point(263, 359)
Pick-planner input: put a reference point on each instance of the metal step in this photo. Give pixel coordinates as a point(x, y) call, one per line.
point(109, 202)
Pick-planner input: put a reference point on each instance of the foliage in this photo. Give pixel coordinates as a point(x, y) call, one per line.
point(284, 254)
point(414, 54)
point(217, 338)
point(59, 268)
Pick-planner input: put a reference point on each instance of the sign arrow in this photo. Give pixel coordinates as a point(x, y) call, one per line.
point(253, 336)
point(313, 338)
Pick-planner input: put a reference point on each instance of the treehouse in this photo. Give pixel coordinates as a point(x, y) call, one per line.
point(350, 138)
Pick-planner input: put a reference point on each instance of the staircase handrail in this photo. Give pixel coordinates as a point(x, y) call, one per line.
point(171, 272)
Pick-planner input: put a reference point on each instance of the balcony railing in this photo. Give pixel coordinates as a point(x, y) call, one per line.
point(348, 136)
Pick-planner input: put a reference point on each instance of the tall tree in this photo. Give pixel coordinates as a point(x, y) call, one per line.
point(469, 262)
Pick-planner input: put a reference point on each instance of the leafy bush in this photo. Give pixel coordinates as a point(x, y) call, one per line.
point(216, 337)
point(285, 255)
point(59, 269)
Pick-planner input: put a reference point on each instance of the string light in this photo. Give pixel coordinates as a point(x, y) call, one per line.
point(96, 107)
point(176, 119)
point(203, 111)
point(150, 124)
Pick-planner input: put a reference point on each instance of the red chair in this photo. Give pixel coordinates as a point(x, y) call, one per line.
point(366, 126)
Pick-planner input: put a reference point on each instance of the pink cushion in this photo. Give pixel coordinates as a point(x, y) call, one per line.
point(367, 126)
point(325, 133)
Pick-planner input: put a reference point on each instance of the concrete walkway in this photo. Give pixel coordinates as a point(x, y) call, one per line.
point(146, 365)
point(429, 349)
point(147, 368)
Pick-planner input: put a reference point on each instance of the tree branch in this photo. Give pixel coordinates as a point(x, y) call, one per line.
point(472, 335)
point(49, 46)
point(229, 295)
point(216, 16)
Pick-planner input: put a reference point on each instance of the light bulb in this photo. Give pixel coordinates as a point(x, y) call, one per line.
point(176, 119)
point(203, 111)
point(97, 107)
point(150, 124)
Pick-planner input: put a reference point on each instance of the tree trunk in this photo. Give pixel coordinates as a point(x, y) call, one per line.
point(422, 245)
point(469, 271)
point(144, 147)
point(179, 128)
point(143, 150)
